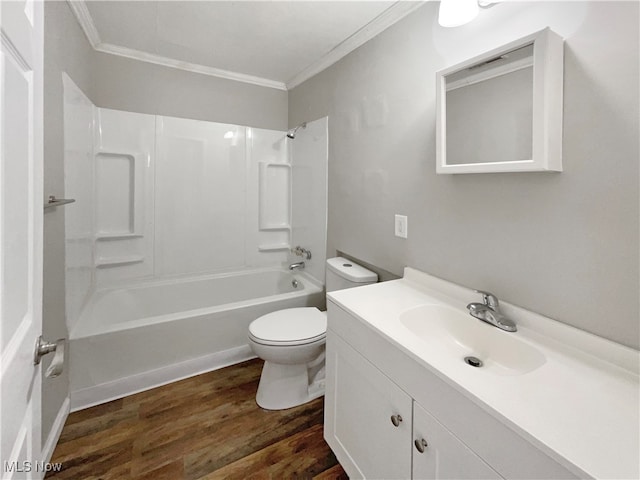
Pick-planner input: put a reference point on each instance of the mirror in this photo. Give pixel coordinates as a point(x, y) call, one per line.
point(502, 111)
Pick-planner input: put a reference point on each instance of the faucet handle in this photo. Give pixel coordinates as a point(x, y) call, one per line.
point(489, 299)
point(301, 252)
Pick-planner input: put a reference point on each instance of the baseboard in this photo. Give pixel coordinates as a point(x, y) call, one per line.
point(56, 430)
point(105, 392)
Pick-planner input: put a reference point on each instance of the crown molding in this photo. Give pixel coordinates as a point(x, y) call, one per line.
point(187, 66)
point(383, 21)
point(80, 10)
point(391, 15)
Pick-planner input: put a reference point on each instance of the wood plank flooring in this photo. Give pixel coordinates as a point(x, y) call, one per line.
point(204, 427)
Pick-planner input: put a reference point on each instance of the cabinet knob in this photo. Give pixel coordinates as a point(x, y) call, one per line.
point(421, 445)
point(396, 419)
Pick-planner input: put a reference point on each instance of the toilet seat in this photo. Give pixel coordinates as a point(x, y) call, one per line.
point(292, 326)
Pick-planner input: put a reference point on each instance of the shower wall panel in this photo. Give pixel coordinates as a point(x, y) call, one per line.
point(200, 196)
point(78, 184)
point(124, 157)
point(115, 191)
point(275, 196)
point(161, 197)
point(268, 232)
point(309, 153)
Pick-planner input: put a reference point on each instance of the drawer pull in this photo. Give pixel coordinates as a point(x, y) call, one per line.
point(421, 445)
point(396, 419)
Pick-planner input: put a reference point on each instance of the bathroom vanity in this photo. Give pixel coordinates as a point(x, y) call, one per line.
point(549, 401)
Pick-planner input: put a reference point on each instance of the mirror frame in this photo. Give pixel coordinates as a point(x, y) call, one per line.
point(548, 58)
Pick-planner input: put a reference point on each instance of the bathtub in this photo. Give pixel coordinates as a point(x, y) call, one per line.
point(137, 337)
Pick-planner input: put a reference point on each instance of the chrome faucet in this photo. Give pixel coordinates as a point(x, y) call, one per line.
point(489, 311)
point(297, 266)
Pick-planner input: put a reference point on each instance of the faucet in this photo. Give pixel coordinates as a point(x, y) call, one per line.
point(297, 266)
point(489, 311)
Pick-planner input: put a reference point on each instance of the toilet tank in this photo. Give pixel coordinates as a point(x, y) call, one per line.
point(343, 273)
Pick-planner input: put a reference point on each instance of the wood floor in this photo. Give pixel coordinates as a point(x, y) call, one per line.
point(204, 427)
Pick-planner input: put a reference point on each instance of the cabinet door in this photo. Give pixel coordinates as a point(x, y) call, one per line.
point(359, 404)
point(444, 456)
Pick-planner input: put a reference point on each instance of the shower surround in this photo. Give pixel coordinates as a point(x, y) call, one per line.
point(181, 237)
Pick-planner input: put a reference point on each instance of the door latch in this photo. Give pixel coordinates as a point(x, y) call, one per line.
point(43, 348)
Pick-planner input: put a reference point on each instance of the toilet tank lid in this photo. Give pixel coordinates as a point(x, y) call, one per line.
point(351, 270)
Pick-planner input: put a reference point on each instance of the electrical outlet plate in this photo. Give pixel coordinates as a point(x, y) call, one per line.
point(401, 225)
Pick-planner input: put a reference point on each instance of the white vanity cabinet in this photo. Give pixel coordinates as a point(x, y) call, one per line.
point(378, 431)
point(370, 379)
point(549, 401)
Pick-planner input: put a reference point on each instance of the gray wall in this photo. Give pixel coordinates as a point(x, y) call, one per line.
point(561, 244)
point(65, 49)
point(124, 84)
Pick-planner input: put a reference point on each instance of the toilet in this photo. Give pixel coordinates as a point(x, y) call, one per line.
point(292, 343)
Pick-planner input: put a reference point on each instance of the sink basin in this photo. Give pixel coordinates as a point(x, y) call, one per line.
point(459, 335)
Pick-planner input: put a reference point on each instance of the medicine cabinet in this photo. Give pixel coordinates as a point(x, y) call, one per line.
point(501, 111)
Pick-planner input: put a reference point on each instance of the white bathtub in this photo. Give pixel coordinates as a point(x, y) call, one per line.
point(134, 338)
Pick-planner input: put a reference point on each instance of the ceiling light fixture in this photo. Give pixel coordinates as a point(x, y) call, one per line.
point(454, 13)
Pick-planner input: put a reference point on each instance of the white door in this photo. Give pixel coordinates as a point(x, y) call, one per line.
point(367, 416)
point(438, 454)
point(21, 210)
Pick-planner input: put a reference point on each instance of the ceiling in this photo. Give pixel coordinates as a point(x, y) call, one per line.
point(278, 44)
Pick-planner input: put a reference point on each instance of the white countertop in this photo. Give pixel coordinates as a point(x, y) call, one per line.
point(582, 406)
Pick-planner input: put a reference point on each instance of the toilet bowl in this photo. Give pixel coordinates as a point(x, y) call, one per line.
point(292, 344)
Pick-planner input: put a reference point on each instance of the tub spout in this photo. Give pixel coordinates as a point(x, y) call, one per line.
point(297, 266)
